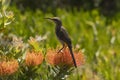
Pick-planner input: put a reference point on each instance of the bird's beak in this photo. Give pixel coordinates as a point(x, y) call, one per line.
point(48, 18)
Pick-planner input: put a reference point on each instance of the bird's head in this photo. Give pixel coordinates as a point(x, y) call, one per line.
point(56, 20)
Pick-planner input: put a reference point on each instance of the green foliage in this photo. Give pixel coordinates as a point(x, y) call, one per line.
point(106, 7)
point(6, 17)
point(91, 32)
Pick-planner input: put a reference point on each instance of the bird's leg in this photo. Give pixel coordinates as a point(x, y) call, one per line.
point(61, 48)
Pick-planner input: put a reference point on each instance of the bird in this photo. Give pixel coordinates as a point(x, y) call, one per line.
point(63, 36)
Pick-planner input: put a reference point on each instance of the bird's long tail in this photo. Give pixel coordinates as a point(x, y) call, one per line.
point(72, 55)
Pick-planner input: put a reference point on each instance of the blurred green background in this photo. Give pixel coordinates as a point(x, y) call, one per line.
point(93, 25)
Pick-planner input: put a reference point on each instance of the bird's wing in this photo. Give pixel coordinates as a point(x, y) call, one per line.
point(65, 36)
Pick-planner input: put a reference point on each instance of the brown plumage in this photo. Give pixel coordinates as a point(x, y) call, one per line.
point(63, 36)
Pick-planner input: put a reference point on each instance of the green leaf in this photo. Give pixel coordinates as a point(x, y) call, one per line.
point(5, 4)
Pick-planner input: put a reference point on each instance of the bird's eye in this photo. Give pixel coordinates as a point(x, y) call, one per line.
point(55, 20)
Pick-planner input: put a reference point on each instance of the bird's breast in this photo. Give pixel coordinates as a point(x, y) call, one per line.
point(59, 37)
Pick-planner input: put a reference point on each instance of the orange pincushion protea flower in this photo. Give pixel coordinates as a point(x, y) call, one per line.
point(53, 58)
point(64, 58)
point(8, 67)
point(33, 58)
point(79, 57)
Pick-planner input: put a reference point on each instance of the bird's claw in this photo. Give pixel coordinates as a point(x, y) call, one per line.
point(59, 51)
